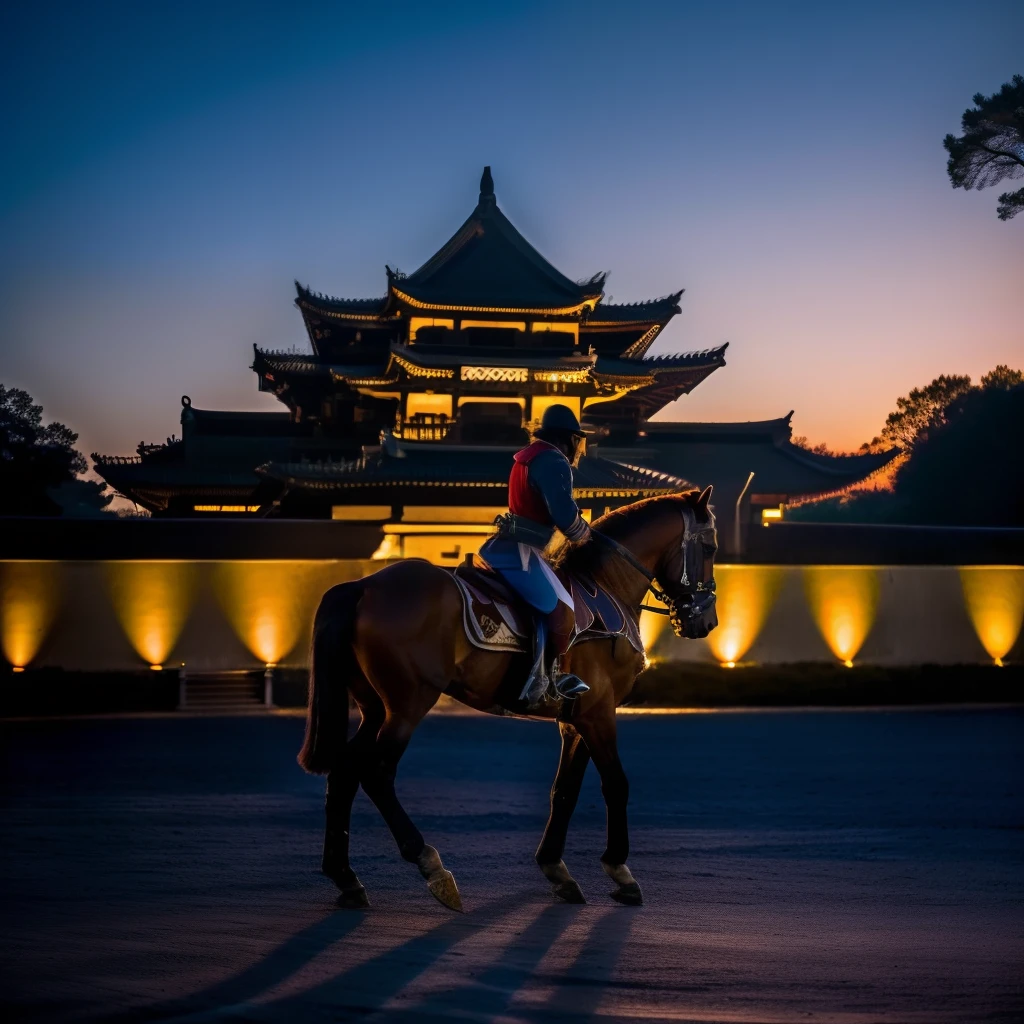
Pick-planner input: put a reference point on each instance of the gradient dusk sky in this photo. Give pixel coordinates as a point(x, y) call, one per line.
point(169, 169)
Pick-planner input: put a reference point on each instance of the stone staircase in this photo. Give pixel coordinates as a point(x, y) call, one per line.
point(224, 693)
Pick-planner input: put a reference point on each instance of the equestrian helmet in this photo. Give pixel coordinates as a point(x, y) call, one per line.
point(561, 417)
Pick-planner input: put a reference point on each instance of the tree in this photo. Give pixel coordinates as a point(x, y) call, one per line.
point(1003, 378)
point(991, 147)
point(39, 466)
point(968, 471)
point(922, 409)
point(960, 462)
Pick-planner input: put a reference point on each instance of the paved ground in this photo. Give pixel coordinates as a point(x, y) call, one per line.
point(848, 867)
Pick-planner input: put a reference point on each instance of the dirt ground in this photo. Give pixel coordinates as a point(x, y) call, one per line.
point(797, 866)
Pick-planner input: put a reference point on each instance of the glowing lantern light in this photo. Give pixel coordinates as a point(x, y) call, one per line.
point(29, 599)
point(994, 596)
point(746, 594)
point(270, 604)
point(152, 601)
point(843, 600)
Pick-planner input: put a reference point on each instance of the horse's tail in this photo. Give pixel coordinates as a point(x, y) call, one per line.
point(332, 664)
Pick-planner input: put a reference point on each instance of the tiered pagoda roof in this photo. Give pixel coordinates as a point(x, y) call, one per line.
point(488, 268)
point(644, 385)
point(450, 367)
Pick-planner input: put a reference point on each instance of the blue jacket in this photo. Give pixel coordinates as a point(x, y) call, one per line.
point(550, 475)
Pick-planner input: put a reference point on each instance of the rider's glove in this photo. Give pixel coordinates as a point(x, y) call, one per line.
point(578, 532)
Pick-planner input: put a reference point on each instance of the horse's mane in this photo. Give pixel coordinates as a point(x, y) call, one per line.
point(599, 560)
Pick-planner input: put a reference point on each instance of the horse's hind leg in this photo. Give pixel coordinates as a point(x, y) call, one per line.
point(378, 778)
point(565, 791)
point(342, 785)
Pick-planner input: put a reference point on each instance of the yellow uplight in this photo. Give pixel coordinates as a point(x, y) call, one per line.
point(652, 625)
point(843, 601)
point(29, 598)
point(270, 604)
point(152, 601)
point(746, 594)
point(994, 595)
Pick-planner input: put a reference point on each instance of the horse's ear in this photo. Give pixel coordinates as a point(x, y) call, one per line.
point(705, 496)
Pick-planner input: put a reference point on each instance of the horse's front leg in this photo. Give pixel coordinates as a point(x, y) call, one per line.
point(565, 791)
point(597, 727)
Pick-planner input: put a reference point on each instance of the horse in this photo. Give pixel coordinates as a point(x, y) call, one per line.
point(394, 641)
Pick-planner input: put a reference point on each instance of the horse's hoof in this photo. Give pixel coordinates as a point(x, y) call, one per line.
point(628, 895)
point(569, 892)
point(353, 899)
point(443, 888)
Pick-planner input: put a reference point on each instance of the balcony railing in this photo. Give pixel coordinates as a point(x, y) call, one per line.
point(426, 428)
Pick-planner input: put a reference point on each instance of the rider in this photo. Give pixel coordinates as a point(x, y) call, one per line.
point(540, 499)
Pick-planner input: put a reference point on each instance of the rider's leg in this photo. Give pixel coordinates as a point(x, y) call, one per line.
point(538, 681)
point(561, 628)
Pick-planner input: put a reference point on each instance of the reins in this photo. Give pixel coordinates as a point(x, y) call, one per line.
point(623, 552)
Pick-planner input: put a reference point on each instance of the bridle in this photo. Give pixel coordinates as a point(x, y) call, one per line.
point(690, 586)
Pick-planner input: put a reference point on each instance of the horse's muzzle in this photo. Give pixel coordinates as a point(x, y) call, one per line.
point(698, 622)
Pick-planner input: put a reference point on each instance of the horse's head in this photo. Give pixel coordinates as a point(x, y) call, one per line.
point(686, 570)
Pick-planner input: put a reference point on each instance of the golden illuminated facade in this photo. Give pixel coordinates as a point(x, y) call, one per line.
point(406, 409)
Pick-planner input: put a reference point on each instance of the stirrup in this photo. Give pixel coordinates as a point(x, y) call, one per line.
point(537, 691)
point(569, 687)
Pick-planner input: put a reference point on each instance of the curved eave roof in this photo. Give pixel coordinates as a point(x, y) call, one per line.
point(365, 310)
point(290, 364)
point(488, 265)
point(635, 314)
point(662, 367)
point(848, 467)
point(466, 469)
point(287, 363)
point(724, 453)
point(780, 429)
point(180, 477)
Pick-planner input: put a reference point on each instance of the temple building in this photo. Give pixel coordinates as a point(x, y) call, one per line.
point(407, 408)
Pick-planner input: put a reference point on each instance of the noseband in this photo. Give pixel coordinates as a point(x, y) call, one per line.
point(701, 595)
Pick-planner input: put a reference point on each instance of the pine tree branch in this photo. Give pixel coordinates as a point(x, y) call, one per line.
point(999, 152)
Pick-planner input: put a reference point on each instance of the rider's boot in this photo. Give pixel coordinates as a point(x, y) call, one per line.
point(561, 627)
point(538, 683)
point(540, 686)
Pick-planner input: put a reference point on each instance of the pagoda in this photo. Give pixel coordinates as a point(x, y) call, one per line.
point(407, 408)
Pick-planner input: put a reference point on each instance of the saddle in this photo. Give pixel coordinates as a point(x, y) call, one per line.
point(495, 618)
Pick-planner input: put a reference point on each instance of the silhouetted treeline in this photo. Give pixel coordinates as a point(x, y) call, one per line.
point(963, 464)
point(39, 465)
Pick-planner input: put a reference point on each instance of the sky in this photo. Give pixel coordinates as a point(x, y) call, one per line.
point(168, 170)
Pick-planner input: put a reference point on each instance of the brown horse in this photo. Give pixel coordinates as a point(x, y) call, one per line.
point(395, 642)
